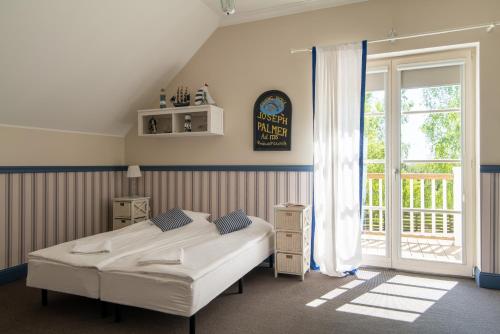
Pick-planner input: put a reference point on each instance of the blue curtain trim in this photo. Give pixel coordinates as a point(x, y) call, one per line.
point(362, 124)
point(314, 265)
point(351, 272)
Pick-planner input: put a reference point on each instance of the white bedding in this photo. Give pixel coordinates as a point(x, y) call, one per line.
point(211, 263)
point(63, 278)
point(132, 239)
point(56, 268)
point(216, 265)
point(202, 253)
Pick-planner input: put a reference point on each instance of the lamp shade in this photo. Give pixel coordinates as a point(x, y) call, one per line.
point(133, 171)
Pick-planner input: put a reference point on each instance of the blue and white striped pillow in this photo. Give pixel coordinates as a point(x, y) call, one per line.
point(171, 219)
point(232, 222)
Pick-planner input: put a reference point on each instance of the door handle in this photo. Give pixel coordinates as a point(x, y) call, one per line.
point(395, 171)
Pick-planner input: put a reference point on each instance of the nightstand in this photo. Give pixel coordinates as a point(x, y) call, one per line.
point(292, 239)
point(129, 210)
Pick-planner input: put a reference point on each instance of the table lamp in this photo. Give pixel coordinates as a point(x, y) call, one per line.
point(134, 172)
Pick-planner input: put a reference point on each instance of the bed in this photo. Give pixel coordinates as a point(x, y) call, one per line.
point(211, 265)
point(57, 269)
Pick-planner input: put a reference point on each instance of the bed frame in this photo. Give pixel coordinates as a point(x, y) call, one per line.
point(117, 307)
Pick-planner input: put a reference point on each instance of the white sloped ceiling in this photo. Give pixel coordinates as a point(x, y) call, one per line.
point(88, 65)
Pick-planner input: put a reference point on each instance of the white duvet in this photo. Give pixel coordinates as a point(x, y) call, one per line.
point(203, 252)
point(136, 238)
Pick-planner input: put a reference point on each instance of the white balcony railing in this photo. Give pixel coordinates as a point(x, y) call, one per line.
point(431, 205)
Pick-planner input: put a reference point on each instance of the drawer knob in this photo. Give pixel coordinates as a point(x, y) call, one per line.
point(288, 256)
point(123, 220)
point(289, 214)
point(288, 235)
point(122, 204)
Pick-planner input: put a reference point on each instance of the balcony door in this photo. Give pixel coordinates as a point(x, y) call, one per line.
point(419, 195)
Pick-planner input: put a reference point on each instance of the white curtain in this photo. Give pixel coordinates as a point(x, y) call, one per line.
point(337, 143)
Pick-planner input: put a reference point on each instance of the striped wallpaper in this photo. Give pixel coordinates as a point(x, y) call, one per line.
point(220, 192)
point(38, 210)
point(41, 209)
point(490, 222)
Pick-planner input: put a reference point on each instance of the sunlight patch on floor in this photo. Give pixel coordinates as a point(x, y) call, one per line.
point(409, 291)
point(362, 275)
point(423, 282)
point(316, 302)
point(393, 302)
point(332, 294)
point(366, 275)
point(353, 284)
point(379, 312)
point(402, 298)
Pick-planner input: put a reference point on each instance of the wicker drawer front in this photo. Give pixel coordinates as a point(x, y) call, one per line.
point(288, 220)
point(121, 209)
point(290, 263)
point(289, 241)
point(119, 223)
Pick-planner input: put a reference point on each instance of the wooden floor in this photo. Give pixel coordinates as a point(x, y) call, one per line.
point(415, 248)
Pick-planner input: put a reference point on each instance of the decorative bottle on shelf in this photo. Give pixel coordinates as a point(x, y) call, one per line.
point(163, 99)
point(187, 123)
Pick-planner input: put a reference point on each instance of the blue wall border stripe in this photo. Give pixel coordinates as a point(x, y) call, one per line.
point(230, 168)
point(12, 274)
point(203, 168)
point(59, 169)
point(487, 280)
point(490, 168)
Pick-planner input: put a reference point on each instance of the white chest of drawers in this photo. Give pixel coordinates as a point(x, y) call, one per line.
point(129, 210)
point(292, 240)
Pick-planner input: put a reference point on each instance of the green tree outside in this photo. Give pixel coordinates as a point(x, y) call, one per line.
point(442, 131)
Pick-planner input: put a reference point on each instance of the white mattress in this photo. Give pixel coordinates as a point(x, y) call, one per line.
point(63, 278)
point(209, 268)
point(47, 267)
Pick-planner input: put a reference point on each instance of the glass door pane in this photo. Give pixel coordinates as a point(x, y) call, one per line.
point(431, 163)
point(374, 206)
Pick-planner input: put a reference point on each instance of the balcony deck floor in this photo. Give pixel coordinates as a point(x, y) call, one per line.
point(415, 248)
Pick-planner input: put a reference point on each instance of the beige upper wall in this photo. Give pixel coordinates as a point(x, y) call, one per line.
point(32, 147)
point(240, 62)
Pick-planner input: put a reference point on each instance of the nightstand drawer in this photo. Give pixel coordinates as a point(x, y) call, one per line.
point(122, 209)
point(119, 223)
point(290, 263)
point(289, 241)
point(288, 220)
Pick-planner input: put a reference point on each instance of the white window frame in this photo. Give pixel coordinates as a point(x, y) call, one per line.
point(467, 55)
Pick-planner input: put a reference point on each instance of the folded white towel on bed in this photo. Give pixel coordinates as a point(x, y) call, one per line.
point(101, 246)
point(174, 256)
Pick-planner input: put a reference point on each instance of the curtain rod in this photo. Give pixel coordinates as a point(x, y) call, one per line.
point(489, 27)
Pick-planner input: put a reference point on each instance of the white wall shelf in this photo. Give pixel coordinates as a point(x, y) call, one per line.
point(206, 120)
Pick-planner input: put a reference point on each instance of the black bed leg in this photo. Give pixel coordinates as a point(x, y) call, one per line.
point(104, 309)
point(44, 297)
point(118, 315)
point(192, 324)
point(271, 261)
point(240, 286)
